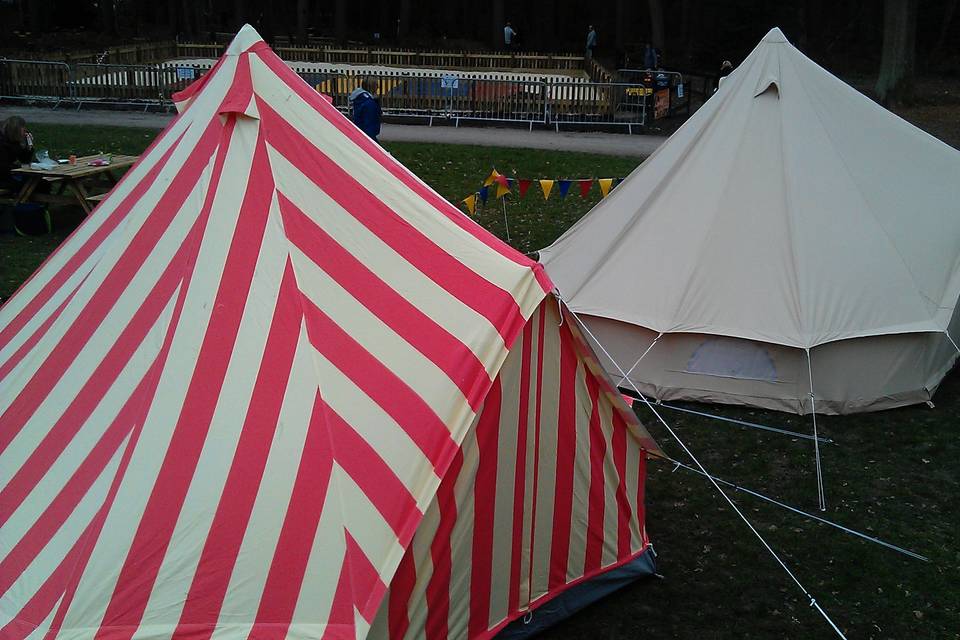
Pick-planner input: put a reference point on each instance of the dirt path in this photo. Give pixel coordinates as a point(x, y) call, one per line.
point(614, 144)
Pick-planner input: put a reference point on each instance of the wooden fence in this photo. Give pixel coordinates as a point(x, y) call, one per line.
point(322, 51)
point(444, 59)
point(143, 53)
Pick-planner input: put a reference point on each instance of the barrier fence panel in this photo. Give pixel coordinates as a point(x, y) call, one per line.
point(176, 76)
point(118, 82)
point(498, 100)
point(34, 79)
point(597, 103)
point(471, 95)
point(671, 94)
point(430, 95)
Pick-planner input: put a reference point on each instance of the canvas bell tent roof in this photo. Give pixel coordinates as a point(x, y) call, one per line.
point(790, 213)
point(275, 386)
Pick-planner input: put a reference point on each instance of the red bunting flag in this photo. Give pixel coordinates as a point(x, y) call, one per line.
point(503, 185)
point(585, 186)
point(524, 185)
point(629, 400)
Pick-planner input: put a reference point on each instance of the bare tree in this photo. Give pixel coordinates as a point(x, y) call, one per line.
point(497, 21)
point(688, 19)
point(403, 29)
point(239, 14)
point(948, 13)
point(895, 83)
point(657, 33)
point(303, 17)
point(340, 20)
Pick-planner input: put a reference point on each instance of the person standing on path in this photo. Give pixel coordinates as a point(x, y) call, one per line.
point(366, 109)
point(650, 61)
point(509, 36)
point(725, 69)
point(591, 42)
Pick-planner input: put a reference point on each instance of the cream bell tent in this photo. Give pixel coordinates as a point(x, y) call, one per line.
point(790, 222)
point(275, 386)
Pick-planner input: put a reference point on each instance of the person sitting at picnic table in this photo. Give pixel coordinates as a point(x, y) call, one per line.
point(16, 148)
point(366, 109)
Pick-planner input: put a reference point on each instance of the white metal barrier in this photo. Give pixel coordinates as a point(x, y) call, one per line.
point(430, 95)
point(597, 103)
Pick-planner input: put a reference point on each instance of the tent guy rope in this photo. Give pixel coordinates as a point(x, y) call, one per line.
point(783, 505)
point(745, 423)
point(642, 356)
point(716, 485)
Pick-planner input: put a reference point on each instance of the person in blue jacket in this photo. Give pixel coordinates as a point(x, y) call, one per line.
point(366, 109)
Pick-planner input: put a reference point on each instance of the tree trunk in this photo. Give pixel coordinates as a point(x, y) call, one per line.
point(38, 13)
point(108, 17)
point(340, 20)
point(403, 27)
point(619, 29)
point(948, 14)
point(172, 11)
point(546, 26)
point(450, 15)
point(387, 25)
point(803, 18)
point(303, 17)
point(239, 15)
point(657, 37)
point(687, 30)
point(895, 83)
point(498, 21)
point(186, 18)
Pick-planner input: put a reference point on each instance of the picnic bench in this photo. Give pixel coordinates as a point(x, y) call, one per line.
point(72, 183)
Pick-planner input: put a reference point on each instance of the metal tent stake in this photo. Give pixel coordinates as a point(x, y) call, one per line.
point(821, 497)
point(505, 223)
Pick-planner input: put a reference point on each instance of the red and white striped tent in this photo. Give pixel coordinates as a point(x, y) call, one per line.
point(275, 386)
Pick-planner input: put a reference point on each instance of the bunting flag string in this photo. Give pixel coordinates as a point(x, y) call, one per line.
point(499, 185)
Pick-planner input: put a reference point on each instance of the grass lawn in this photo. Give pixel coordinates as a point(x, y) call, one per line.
point(892, 474)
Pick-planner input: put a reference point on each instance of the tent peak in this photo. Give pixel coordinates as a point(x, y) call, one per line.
point(775, 35)
point(245, 38)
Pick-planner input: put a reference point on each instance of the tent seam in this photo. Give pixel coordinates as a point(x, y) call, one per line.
point(869, 210)
point(791, 233)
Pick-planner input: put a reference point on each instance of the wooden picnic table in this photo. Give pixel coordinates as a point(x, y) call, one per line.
point(70, 182)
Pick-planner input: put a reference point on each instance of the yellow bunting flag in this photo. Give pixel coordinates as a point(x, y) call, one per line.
point(605, 184)
point(491, 178)
point(471, 202)
point(547, 186)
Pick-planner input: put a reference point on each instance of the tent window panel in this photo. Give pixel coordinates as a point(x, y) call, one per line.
point(732, 358)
